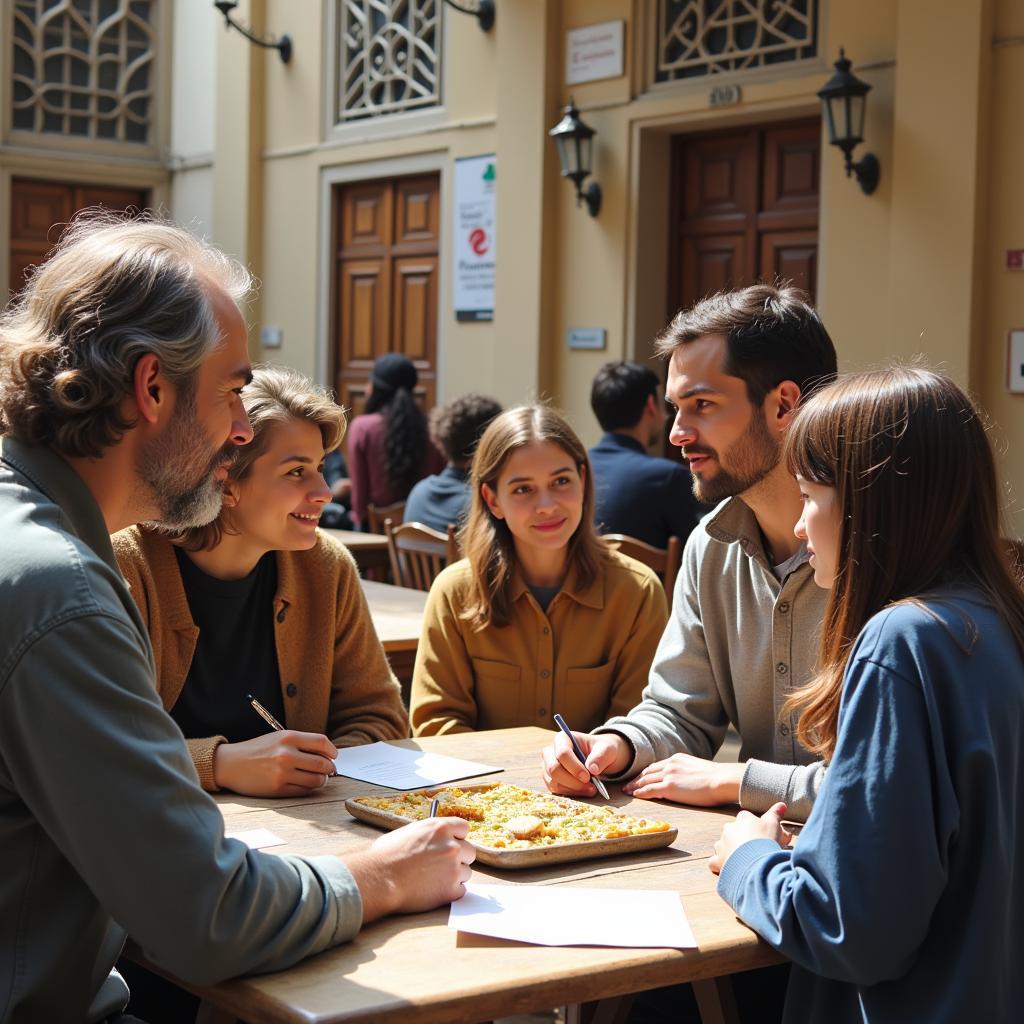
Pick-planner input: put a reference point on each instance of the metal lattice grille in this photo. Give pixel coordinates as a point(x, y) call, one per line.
point(84, 68)
point(707, 37)
point(389, 57)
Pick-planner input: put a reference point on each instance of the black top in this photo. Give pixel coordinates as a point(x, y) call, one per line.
point(235, 654)
point(643, 496)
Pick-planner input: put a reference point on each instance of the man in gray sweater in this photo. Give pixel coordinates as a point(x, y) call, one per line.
point(120, 370)
point(743, 633)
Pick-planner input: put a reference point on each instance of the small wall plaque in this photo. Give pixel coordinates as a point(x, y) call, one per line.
point(586, 337)
point(725, 95)
point(1015, 362)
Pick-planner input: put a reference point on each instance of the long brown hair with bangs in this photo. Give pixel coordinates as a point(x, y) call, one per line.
point(487, 541)
point(909, 457)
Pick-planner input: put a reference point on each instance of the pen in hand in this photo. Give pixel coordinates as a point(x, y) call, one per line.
point(433, 808)
point(598, 784)
point(272, 721)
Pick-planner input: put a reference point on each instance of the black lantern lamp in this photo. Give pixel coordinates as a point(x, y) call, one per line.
point(282, 45)
point(574, 140)
point(843, 99)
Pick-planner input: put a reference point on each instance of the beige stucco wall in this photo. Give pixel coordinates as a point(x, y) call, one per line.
point(915, 268)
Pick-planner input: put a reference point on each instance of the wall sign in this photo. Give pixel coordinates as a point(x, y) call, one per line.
point(1015, 362)
point(474, 235)
point(586, 337)
point(593, 52)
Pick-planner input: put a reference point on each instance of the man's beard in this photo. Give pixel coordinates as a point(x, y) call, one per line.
point(178, 468)
point(751, 458)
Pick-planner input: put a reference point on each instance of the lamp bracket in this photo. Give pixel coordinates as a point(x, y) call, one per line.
point(866, 170)
point(591, 195)
point(282, 45)
point(483, 12)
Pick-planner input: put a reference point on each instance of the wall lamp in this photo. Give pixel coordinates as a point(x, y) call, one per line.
point(483, 12)
point(282, 45)
point(843, 101)
point(574, 140)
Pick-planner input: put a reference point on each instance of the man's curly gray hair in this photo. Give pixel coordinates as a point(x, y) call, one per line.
point(112, 291)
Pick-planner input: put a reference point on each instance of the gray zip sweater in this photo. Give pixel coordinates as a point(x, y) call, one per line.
point(738, 642)
point(103, 826)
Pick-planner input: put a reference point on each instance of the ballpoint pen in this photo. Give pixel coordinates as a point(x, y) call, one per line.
point(272, 721)
point(433, 808)
point(598, 784)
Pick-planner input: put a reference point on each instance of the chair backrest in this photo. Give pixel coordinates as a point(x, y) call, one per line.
point(418, 553)
point(664, 561)
point(376, 514)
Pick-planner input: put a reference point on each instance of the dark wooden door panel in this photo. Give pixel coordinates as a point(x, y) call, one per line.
point(385, 297)
point(40, 210)
point(721, 177)
point(792, 256)
point(791, 170)
point(713, 263)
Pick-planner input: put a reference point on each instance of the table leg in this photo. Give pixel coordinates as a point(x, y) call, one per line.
point(716, 1001)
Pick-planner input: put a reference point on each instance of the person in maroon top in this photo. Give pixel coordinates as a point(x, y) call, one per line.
point(388, 446)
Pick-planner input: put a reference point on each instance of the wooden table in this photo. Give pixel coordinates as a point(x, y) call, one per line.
point(415, 970)
point(370, 550)
point(397, 614)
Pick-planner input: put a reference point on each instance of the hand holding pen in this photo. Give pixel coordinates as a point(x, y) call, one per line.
point(283, 762)
point(573, 760)
point(580, 756)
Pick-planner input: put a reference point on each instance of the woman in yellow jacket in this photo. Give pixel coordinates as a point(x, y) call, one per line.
point(541, 616)
point(260, 602)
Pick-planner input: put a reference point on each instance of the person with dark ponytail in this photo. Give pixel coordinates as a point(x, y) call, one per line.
point(388, 448)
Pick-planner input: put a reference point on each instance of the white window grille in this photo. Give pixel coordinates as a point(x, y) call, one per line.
point(84, 68)
point(708, 37)
point(389, 56)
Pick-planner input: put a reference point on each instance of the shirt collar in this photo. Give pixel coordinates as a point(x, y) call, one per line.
point(733, 522)
point(623, 441)
point(590, 597)
point(52, 475)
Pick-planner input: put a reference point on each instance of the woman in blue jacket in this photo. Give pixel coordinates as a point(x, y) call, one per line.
point(903, 897)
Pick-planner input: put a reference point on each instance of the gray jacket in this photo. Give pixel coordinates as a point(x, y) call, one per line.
point(738, 642)
point(103, 826)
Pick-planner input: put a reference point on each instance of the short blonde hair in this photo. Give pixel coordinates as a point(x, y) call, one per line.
point(276, 394)
point(112, 291)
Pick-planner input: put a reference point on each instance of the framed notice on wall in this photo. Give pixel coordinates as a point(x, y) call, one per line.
point(473, 248)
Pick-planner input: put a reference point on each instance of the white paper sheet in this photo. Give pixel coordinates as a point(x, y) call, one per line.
point(384, 764)
point(569, 916)
point(257, 838)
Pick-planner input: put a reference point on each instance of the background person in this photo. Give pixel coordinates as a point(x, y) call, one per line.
point(540, 616)
point(259, 601)
point(455, 429)
point(904, 895)
point(121, 364)
point(388, 448)
point(636, 493)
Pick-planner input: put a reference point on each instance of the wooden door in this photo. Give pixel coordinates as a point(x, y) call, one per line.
point(745, 209)
point(41, 209)
point(385, 274)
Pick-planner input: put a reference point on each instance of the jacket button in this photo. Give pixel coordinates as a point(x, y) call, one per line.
point(783, 607)
point(291, 689)
point(782, 668)
point(544, 673)
point(545, 630)
point(784, 730)
point(280, 616)
point(542, 712)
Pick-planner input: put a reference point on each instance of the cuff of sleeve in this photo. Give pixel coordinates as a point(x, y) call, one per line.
point(743, 858)
point(643, 752)
point(764, 784)
point(348, 902)
point(203, 752)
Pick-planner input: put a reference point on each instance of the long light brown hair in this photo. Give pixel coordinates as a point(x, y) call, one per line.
point(910, 460)
point(487, 541)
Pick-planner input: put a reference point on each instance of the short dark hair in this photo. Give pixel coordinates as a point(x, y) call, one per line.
point(772, 334)
point(456, 426)
point(620, 392)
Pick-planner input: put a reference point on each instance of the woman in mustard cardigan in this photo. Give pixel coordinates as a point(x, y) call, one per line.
point(541, 616)
point(260, 602)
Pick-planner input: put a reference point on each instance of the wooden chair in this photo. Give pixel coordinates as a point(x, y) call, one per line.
point(376, 514)
point(418, 553)
point(664, 561)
